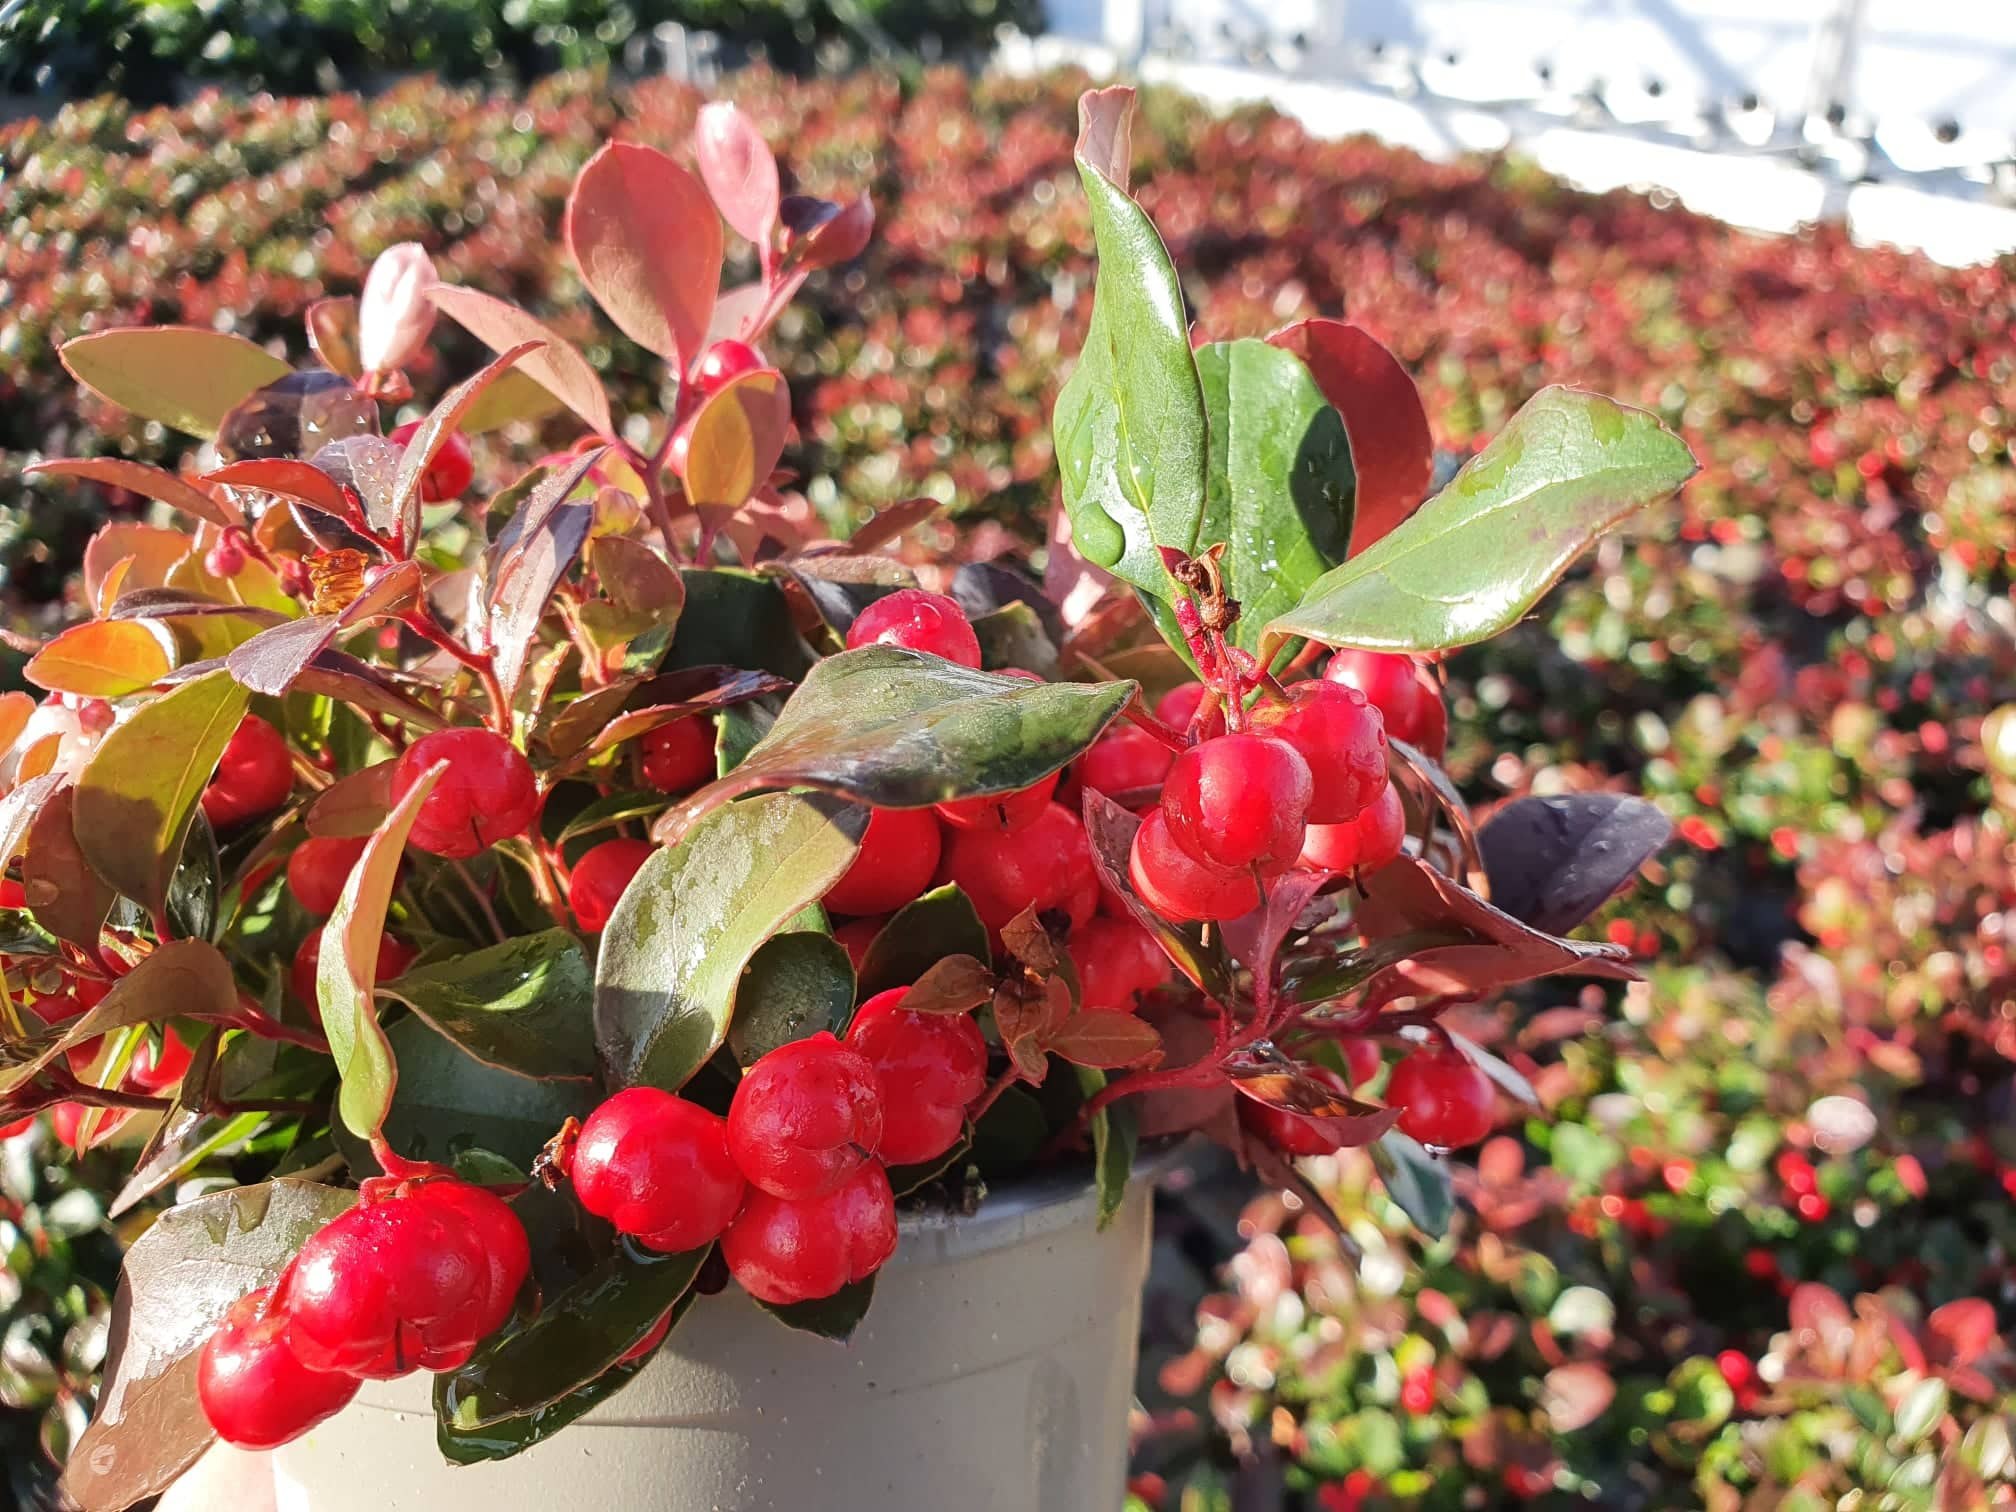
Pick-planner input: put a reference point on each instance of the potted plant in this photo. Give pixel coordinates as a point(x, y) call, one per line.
point(607, 911)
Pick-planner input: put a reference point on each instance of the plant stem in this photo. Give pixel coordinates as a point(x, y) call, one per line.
point(992, 1095)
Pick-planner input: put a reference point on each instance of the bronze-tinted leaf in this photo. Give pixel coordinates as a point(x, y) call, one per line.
point(68, 898)
point(183, 376)
point(558, 367)
point(1107, 1041)
point(154, 482)
point(647, 243)
point(106, 658)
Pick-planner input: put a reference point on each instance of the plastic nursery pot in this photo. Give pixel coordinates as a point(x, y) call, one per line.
point(993, 1374)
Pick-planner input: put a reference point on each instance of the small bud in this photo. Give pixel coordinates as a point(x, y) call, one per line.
point(395, 314)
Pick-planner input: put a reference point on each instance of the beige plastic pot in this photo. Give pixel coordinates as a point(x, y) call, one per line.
point(993, 1374)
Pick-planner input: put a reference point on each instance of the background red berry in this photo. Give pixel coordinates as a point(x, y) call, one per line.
point(1343, 739)
point(452, 469)
point(680, 755)
point(254, 775)
point(394, 956)
point(1126, 759)
point(1002, 813)
point(1362, 844)
point(1046, 865)
point(1445, 1100)
point(724, 362)
point(599, 877)
point(898, 857)
point(1401, 691)
point(1179, 887)
point(318, 868)
point(1117, 960)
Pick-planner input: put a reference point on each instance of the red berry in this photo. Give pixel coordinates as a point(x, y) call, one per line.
point(1445, 1101)
point(1179, 887)
point(1417, 1392)
point(1362, 844)
point(1180, 704)
point(650, 1341)
point(12, 894)
point(19, 1126)
point(226, 557)
point(394, 956)
point(156, 1070)
point(1116, 959)
point(599, 877)
point(1736, 1368)
point(452, 470)
point(783, 1251)
point(1400, 691)
point(254, 1391)
point(1361, 1059)
point(856, 935)
point(805, 1117)
point(1126, 759)
point(930, 1067)
point(1002, 813)
point(679, 755)
point(254, 775)
point(1238, 801)
point(488, 791)
point(66, 1122)
point(1343, 739)
point(1295, 1133)
point(657, 1166)
point(917, 621)
point(899, 852)
point(410, 1282)
point(724, 362)
point(1046, 865)
point(319, 867)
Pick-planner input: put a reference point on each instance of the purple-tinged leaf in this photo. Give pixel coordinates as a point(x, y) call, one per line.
point(68, 898)
point(332, 335)
point(273, 660)
point(1554, 861)
point(434, 433)
point(525, 582)
point(368, 466)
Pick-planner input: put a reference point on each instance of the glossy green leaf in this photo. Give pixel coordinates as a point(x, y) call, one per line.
point(1013, 636)
point(526, 1005)
point(1129, 427)
point(735, 619)
point(1280, 487)
point(184, 376)
point(835, 1317)
point(1416, 1181)
point(900, 729)
point(135, 799)
point(578, 1335)
point(179, 1280)
point(1114, 1142)
point(498, 1441)
point(447, 1103)
point(673, 954)
point(919, 935)
point(903, 1180)
point(1478, 555)
point(795, 985)
point(1011, 1133)
point(347, 972)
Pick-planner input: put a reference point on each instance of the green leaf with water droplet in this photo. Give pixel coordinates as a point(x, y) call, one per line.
point(1280, 487)
point(1129, 426)
point(1476, 557)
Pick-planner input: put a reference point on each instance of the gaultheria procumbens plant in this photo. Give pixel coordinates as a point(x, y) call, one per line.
point(583, 898)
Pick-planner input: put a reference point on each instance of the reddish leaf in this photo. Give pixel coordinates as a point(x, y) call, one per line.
point(441, 423)
point(559, 368)
point(332, 335)
point(738, 169)
point(344, 678)
point(353, 806)
point(954, 984)
point(105, 658)
point(154, 482)
point(183, 376)
point(1256, 939)
point(368, 466)
point(824, 234)
point(1392, 451)
point(735, 312)
point(15, 711)
point(891, 524)
point(1111, 829)
point(153, 551)
point(69, 899)
point(735, 440)
point(1964, 1330)
point(295, 481)
point(525, 581)
point(273, 660)
point(647, 243)
point(1107, 1041)
point(181, 979)
point(1106, 132)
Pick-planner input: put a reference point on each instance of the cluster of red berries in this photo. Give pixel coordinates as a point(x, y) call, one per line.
point(794, 1181)
point(414, 1280)
point(1303, 781)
